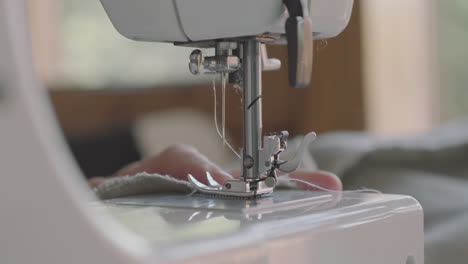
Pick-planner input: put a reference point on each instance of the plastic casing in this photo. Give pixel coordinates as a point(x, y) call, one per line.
point(291, 226)
point(196, 20)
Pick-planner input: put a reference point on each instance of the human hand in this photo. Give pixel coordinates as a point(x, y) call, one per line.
point(180, 160)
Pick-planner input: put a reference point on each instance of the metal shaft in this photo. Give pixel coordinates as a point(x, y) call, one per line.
point(252, 107)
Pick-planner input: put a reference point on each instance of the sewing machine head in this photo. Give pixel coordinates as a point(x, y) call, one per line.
point(239, 36)
point(200, 20)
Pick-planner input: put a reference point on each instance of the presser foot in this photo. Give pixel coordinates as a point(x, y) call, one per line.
point(234, 188)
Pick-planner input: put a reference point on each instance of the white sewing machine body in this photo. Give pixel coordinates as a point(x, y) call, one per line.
point(196, 20)
point(48, 214)
point(289, 226)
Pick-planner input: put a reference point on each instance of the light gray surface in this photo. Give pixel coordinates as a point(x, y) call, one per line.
point(182, 20)
point(291, 199)
point(145, 20)
point(184, 226)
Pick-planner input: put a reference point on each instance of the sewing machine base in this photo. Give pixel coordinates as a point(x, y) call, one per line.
point(289, 226)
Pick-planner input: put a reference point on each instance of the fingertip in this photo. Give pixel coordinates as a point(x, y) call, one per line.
point(130, 169)
point(235, 173)
point(96, 181)
point(220, 175)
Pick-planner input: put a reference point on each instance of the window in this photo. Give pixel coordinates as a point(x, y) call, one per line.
point(416, 64)
point(453, 58)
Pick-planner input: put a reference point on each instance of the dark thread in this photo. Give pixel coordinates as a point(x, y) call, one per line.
point(253, 102)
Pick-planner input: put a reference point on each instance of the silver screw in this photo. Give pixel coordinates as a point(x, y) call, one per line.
point(270, 182)
point(248, 162)
point(195, 61)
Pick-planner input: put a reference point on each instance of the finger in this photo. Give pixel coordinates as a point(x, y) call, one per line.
point(235, 173)
point(325, 180)
point(131, 169)
point(96, 181)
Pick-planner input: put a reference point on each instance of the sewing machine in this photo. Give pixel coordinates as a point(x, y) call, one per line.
point(50, 216)
point(239, 31)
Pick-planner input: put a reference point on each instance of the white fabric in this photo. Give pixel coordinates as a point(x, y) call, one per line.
point(146, 183)
point(142, 183)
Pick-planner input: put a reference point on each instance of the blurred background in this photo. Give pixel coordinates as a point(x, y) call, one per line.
point(398, 69)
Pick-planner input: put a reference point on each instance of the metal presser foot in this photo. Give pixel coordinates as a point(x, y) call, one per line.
point(242, 60)
point(270, 158)
point(233, 188)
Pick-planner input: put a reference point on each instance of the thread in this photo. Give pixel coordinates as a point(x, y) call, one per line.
point(221, 134)
point(225, 142)
point(287, 178)
point(223, 107)
point(364, 190)
point(216, 123)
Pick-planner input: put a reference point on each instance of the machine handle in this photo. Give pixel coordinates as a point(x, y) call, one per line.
point(300, 43)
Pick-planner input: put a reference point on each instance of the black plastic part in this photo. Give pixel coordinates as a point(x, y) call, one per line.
point(296, 16)
point(292, 38)
point(294, 7)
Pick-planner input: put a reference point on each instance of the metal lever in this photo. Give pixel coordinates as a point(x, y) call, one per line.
point(269, 64)
point(292, 164)
point(300, 43)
